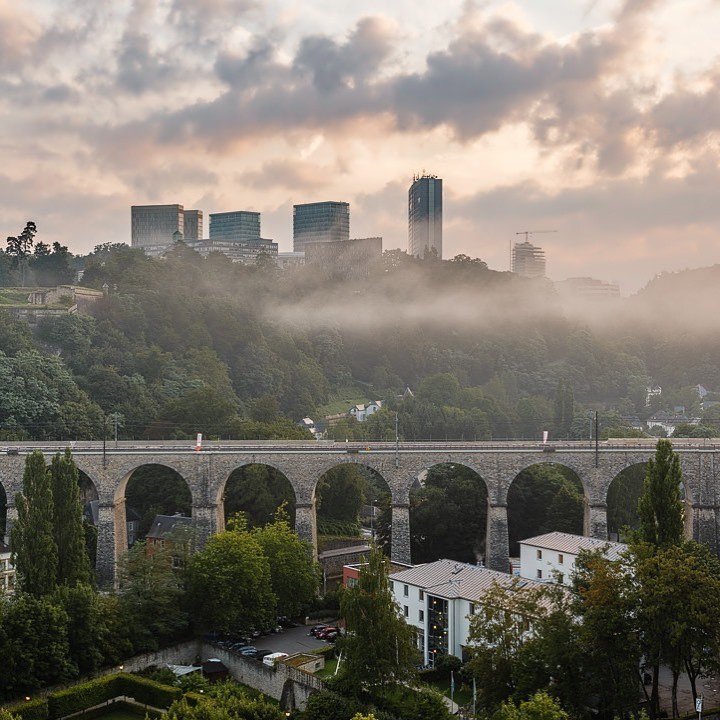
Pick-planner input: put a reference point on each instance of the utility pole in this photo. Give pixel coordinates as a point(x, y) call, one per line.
point(397, 442)
point(104, 440)
point(597, 447)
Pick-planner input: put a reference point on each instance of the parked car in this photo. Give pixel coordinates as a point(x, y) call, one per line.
point(322, 634)
point(248, 650)
point(271, 659)
point(316, 629)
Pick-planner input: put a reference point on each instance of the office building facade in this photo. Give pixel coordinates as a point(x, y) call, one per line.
point(319, 223)
point(425, 209)
point(246, 252)
point(193, 224)
point(155, 225)
point(236, 226)
point(354, 258)
point(528, 260)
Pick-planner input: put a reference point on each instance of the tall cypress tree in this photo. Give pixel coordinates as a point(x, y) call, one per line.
point(31, 537)
point(73, 565)
point(661, 506)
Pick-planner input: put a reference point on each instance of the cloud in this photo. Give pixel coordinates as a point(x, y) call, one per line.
point(289, 174)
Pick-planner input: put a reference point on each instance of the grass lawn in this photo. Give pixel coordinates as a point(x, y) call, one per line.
point(341, 400)
point(329, 669)
point(463, 694)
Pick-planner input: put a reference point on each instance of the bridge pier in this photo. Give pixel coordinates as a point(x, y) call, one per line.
point(10, 518)
point(204, 523)
point(306, 524)
point(595, 521)
point(497, 545)
point(400, 547)
point(106, 555)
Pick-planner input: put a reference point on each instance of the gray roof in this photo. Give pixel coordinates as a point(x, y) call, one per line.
point(450, 579)
point(573, 544)
point(339, 552)
point(163, 525)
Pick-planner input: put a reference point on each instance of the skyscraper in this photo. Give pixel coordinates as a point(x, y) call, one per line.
point(193, 220)
point(425, 216)
point(155, 224)
point(528, 260)
point(236, 226)
point(320, 222)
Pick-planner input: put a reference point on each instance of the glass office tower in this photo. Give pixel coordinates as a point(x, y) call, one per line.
point(320, 222)
point(425, 216)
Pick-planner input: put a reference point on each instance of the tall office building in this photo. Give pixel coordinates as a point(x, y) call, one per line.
point(155, 225)
point(528, 260)
point(320, 222)
point(425, 216)
point(193, 220)
point(237, 226)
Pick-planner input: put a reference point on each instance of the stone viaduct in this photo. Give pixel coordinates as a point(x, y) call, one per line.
point(303, 463)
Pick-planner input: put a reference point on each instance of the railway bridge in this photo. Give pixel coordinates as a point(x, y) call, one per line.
point(402, 466)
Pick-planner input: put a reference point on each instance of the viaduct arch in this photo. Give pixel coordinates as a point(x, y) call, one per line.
point(303, 463)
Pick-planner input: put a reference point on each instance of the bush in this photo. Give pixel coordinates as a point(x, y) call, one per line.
point(327, 652)
point(147, 692)
point(340, 528)
point(83, 696)
point(30, 710)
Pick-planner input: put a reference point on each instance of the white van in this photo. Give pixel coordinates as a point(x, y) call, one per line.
point(271, 659)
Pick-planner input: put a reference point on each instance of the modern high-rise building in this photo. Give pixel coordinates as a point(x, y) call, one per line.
point(193, 220)
point(236, 226)
point(425, 216)
point(528, 260)
point(155, 224)
point(320, 222)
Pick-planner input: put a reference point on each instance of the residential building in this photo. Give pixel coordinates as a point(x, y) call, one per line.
point(236, 226)
point(193, 225)
point(245, 251)
point(363, 411)
point(528, 260)
point(425, 216)
point(156, 225)
point(652, 391)
point(7, 570)
point(287, 260)
point(438, 599)
point(354, 258)
point(132, 519)
point(320, 222)
point(351, 573)
point(588, 288)
point(668, 421)
point(162, 531)
point(551, 557)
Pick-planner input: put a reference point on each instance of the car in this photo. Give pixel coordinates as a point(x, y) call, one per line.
point(316, 629)
point(330, 636)
point(248, 650)
point(278, 629)
point(272, 658)
point(255, 633)
point(322, 634)
point(237, 647)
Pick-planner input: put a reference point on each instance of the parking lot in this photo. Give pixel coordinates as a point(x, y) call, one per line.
point(293, 640)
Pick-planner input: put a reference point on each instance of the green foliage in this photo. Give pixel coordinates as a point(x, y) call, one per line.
point(340, 495)
point(85, 695)
point(230, 583)
point(379, 645)
point(622, 500)
point(294, 575)
point(73, 566)
point(258, 490)
point(539, 707)
point(32, 541)
point(36, 709)
point(660, 506)
point(225, 701)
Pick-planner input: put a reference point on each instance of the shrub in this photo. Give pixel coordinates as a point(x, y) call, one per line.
point(147, 692)
point(83, 696)
point(30, 710)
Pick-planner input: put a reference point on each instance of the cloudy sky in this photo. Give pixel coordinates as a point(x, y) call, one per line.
point(597, 118)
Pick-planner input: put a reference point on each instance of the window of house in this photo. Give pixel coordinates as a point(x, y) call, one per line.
point(421, 615)
point(422, 595)
point(539, 574)
point(472, 608)
point(561, 559)
point(405, 590)
point(539, 554)
point(561, 578)
point(407, 610)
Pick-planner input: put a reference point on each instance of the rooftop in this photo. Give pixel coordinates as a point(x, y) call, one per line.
point(163, 525)
point(573, 544)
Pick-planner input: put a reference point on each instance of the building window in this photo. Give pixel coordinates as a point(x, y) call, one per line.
point(539, 554)
point(392, 586)
point(421, 615)
point(561, 559)
point(539, 574)
point(407, 610)
point(561, 578)
point(405, 590)
point(422, 594)
point(472, 608)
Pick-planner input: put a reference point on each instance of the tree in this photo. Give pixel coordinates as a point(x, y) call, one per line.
point(539, 707)
point(661, 506)
point(340, 494)
point(151, 595)
point(379, 646)
point(21, 245)
point(230, 583)
point(564, 409)
point(73, 565)
point(32, 535)
point(293, 573)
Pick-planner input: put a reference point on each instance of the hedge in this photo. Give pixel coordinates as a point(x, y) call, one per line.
point(327, 651)
point(148, 692)
point(30, 709)
point(83, 696)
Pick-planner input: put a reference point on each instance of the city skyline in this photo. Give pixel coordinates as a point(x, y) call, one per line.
point(595, 118)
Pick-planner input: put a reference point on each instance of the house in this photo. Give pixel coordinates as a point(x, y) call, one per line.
point(215, 670)
point(7, 571)
point(162, 530)
point(669, 421)
point(132, 519)
point(363, 412)
point(438, 598)
point(351, 573)
point(652, 391)
point(551, 557)
point(309, 424)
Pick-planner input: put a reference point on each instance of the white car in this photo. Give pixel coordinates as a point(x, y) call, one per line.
point(271, 659)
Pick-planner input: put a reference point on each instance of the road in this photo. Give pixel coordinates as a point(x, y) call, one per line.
point(293, 640)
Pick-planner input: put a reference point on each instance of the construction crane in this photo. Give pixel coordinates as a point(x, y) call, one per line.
point(527, 233)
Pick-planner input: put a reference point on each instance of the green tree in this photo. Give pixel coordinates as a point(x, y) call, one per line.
point(293, 572)
point(379, 646)
point(340, 494)
point(231, 583)
point(32, 535)
point(73, 564)
point(539, 707)
point(564, 409)
point(661, 506)
point(87, 625)
point(151, 597)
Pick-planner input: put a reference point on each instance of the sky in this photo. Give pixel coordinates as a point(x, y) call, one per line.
point(596, 118)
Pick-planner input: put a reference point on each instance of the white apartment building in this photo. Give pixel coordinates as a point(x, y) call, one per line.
point(551, 557)
point(438, 598)
point(7, 571)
